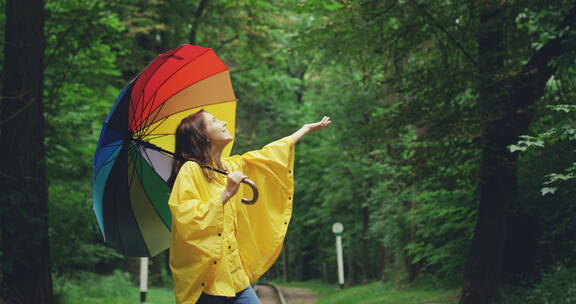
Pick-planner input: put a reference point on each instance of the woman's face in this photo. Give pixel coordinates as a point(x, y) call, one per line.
point(216, 130)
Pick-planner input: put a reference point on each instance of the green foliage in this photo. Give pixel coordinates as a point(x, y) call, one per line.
point(387, 293)
point(556, 287)
point(80, 87)
point(563, 132)
point(398, 166)
point(74, 238)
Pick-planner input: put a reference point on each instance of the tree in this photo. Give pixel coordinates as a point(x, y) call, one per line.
point(467, 75)
point(512, 99)
point(24, 216)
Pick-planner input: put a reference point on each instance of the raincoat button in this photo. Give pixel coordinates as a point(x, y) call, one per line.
point(219, 234)
point(285, 223)
point(229, 247)
point(289, 197)
point(289, 171)
point(215, 262)
point(203, 284)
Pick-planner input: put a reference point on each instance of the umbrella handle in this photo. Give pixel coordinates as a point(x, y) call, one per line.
point(246, 181)
point(254, 190)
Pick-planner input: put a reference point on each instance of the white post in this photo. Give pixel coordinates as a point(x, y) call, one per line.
point(143, 279)
point(337, 229)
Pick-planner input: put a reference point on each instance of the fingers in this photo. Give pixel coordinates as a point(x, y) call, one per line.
point(324, 122)
point(236, 176)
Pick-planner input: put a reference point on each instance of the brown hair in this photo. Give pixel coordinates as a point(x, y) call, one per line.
point(191, 143)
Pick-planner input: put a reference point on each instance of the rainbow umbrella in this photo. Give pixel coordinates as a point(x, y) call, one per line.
point(133, 157)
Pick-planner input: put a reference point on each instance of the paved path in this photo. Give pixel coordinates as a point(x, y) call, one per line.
point(292, 295)
point(267, 294)
point(295, 295)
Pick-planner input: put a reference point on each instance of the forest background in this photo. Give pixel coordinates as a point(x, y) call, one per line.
point(450, 160)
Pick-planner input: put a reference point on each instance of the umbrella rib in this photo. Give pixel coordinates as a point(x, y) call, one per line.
point(135, 153)
point(132, 108)
point(175, 93)
point(106, 162)
point(175, 72)
point(160, 122)
point(165, 59)
point(132, 150)
point(162, 64)
point(113, 145)
point(142, 106)
point(186, 109)
point(155, 127)
point(118, 220)
point(159, 134)
point(147, 120)
point(130, 180)
point(160, 177)
point(150, 162)
point(156, 136)
point(118, 233)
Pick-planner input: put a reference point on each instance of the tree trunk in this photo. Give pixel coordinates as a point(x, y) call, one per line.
point(202, 6)
point(365, 245)
point(382, 263)
point(285, 267)
point(497, 170)
point(412, 268)
point(24, 214)
point(513, 101)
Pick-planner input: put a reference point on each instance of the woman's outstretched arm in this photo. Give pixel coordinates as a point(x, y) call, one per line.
point(311, 127)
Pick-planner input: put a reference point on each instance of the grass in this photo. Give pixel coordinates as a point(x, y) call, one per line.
point(376, 293)
point(88, 288)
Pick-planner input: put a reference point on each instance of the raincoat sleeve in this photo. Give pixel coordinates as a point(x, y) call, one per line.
point(197, 220)
point(262, 227)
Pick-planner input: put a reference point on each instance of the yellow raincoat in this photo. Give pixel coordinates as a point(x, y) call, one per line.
point(222, 248)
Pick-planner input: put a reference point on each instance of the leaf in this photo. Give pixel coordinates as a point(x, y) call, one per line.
point(548, 190)
point(514, 148)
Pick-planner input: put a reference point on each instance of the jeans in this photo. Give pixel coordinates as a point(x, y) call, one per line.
point(246, 296)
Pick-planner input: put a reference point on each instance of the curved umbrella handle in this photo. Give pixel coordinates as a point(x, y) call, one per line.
point(254, 190)
point(246, 181)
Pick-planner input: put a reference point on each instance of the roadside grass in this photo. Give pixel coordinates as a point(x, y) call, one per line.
point(387, 294)
point(377, 293)
point(89, 288)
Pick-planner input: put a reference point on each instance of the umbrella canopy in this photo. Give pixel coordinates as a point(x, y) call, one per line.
point(133, 157)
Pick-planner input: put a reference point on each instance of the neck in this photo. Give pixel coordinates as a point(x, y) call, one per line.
point(216, 154)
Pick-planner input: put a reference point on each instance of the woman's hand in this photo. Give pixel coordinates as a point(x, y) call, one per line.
point(233, 183)
point(311, 127)
point(318, 125)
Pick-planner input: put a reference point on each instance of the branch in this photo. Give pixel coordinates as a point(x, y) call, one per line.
point(17, 112)
point(538, 70)
point(197, 16)
point(225, 42)
point(450, 37)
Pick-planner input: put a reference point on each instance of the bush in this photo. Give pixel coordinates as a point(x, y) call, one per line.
point(87, 287)
point(557, 287)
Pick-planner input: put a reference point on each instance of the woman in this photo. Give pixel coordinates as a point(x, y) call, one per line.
point(219, 245)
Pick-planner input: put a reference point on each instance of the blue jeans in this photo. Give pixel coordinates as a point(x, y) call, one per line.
point(246, 296)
